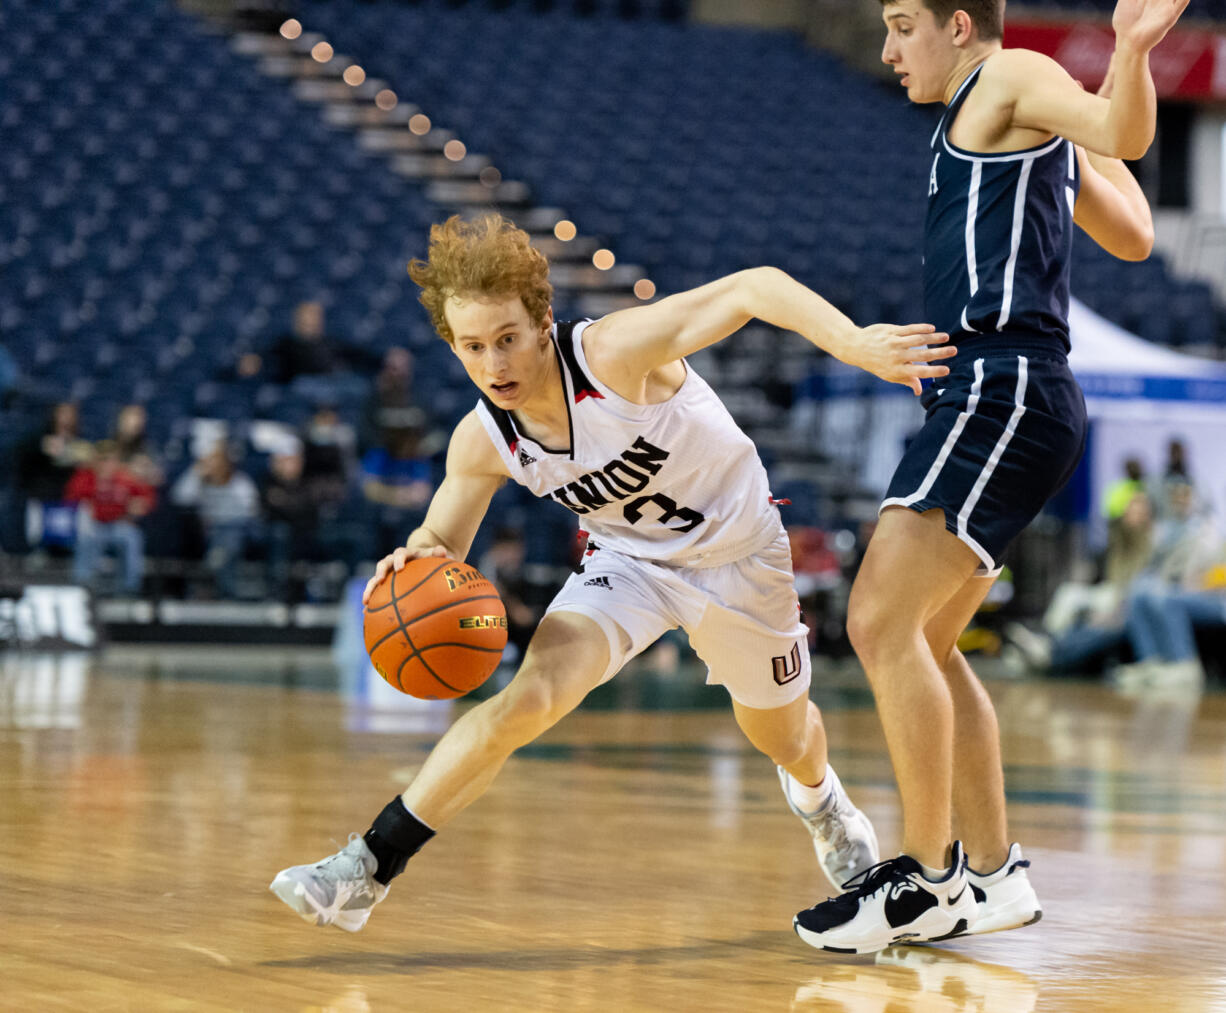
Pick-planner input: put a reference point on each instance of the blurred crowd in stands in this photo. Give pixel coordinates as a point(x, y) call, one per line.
point(336, 489)
point(1155, 613)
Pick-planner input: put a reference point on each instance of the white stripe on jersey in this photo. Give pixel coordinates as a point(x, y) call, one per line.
point(972, 212)
point(1015, 241)
point(1070, 190)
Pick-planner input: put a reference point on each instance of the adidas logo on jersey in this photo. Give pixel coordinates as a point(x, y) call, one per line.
point(599, 582)
point(526, 459)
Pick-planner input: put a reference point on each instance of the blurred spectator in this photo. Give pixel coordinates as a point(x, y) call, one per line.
point(1119, 493)
point(305, 350)
point(1162, 623)
point(329, 455)
point(503, 565)
point(1176, 463)
point(1084, 624)
point(226, 501)
point(396, 480)
point(820, 584)
point(45, 463)
point(132, 442)
point(311, 362)
point(1150, 567)
point(391, 404)
point(291, 516)
point(1175, 595)
point(1183, 536)
point(1130, 547)
point(113, 500)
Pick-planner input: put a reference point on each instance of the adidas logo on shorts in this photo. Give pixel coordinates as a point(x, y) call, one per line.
point(526, 459)
point(599, 582)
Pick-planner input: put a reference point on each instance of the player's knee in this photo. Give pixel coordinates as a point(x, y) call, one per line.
point(531, 704)
point(945, 652)
point(867, 626)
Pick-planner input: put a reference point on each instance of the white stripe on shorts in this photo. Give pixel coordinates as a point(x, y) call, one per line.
point(1019, 409)
point(934, 472)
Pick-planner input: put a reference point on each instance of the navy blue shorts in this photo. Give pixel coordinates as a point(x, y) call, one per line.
point(1003, 433)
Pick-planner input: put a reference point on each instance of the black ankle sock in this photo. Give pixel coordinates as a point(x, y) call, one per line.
point(395, 836)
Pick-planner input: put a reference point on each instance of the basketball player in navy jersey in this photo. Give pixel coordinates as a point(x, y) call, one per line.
point(607, 418)
point(1020, 156)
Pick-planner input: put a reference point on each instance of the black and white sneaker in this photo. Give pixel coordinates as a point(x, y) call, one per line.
point(1004, 897)
point(892, 903)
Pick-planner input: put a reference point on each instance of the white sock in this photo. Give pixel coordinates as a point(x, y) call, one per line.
point(809, 799)
point(932, 875)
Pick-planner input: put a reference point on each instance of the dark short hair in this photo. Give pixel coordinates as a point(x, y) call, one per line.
point(988, 15)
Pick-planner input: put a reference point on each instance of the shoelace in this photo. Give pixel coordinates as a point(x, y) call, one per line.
point(866, 883)
point(875, 877)
point(326, 867)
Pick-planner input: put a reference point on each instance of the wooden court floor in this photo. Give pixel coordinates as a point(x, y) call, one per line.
point(639, 857)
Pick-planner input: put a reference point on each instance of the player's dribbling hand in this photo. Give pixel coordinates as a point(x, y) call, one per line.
point(395, 561)
point(903, 353)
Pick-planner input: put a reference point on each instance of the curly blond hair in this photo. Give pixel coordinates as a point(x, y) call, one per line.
point(489, 256)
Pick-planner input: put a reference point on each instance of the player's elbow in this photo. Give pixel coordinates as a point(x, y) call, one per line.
point(751, 292)
point(1137, 243)
point(1129, 143)
point(1139, 249)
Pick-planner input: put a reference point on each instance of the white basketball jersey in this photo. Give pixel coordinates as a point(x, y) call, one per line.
point(674, 482)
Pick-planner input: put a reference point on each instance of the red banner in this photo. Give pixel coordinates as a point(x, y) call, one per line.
point(1187, 64)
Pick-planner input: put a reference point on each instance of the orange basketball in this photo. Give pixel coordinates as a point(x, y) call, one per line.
point(435, 629)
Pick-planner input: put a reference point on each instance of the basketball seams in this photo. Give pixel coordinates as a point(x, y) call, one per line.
point(392, 586)
point(402, 626)
point(459, 643)
point(426, 665)
point(450, 604)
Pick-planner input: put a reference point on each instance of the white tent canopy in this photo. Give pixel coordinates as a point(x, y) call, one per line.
point(1115, 366)
point(1142, 396)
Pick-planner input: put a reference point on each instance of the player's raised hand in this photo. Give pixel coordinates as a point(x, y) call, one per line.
point(395, 561)
point(1142, 24)
point(906, 353)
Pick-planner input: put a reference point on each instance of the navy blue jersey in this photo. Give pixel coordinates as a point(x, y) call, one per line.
point(999, 236)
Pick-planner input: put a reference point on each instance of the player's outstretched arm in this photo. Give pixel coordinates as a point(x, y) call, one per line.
point(1042, 96)
point(631, 343)
point(474, 474)
point(1111, 206)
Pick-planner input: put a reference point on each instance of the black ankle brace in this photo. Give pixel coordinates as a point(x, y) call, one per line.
point(395, 836)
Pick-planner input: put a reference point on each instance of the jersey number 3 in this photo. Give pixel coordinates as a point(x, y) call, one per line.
point(669, 510)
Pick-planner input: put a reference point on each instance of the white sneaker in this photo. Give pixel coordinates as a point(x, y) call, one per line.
point(1177, 677)
point(843, 837)
point(340, 890)
point(1005, 898)
point(892, 903)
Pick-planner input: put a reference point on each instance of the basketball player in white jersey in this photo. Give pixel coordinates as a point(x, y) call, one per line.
point(608, 419)
point(1020, 157)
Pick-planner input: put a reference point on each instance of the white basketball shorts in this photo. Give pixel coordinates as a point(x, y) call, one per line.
point(743, 618)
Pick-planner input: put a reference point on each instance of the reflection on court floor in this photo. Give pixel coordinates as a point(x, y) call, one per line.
point(637, 857)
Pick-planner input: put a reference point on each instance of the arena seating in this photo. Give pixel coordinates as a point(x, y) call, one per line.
point(164, 205)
